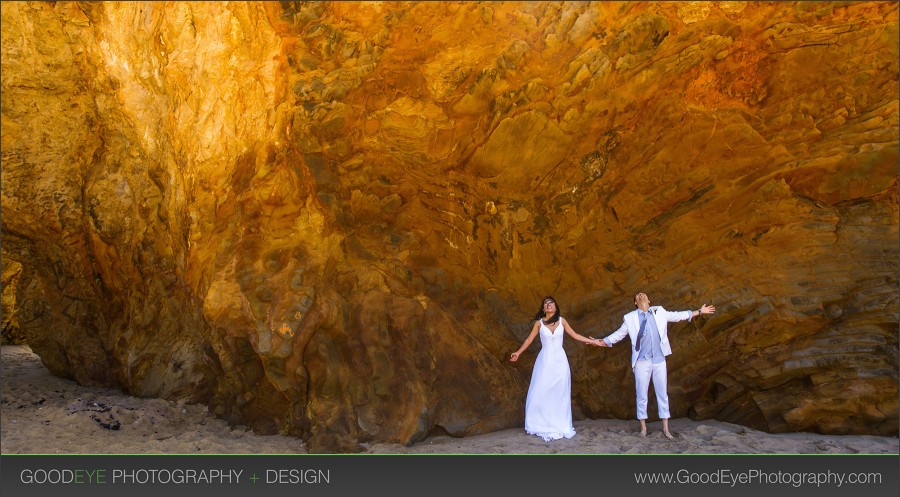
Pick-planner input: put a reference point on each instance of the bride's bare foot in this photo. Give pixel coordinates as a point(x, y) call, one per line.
point(668, 435)
point(643, 433)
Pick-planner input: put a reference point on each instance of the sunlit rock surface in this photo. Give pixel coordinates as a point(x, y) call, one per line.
point(335, 220)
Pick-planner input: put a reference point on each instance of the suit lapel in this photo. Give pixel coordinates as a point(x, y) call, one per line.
point(633, 322)
point(660, 322)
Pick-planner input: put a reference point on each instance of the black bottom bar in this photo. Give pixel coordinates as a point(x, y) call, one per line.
point(449, 475)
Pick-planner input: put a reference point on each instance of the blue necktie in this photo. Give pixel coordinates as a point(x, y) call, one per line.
point(637, 345)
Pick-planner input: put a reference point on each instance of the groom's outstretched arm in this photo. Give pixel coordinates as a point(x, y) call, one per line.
point(689, 315)
point(615, 336)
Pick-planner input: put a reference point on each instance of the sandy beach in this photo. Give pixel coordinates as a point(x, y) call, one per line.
point(43, 414)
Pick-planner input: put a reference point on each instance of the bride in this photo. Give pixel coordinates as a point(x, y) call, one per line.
point(548, 407)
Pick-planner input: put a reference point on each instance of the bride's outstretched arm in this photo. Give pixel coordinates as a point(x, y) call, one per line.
point(534, 331)
point(576, 336)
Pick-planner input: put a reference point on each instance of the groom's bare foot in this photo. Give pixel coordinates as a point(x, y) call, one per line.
point(665, 423)
point(643, 433)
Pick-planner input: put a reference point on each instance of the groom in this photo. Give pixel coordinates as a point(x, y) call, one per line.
point(648, 329)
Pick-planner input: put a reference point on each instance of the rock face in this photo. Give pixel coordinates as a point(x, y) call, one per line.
point(335, 220)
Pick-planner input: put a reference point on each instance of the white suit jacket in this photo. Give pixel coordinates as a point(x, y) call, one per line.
point(632, 323)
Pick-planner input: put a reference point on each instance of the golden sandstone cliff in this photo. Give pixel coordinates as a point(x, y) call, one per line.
point(335, 220)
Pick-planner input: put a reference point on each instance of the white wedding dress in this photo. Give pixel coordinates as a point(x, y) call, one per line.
point(548, 407)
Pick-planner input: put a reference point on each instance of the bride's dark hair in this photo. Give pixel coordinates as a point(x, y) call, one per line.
point(540, 314)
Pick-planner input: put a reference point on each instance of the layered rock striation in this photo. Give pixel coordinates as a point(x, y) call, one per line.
point(335, 220)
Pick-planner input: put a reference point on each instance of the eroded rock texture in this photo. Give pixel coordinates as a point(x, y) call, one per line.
point(335, 220)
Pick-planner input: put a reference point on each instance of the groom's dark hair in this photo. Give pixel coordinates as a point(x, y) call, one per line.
point(540, 314)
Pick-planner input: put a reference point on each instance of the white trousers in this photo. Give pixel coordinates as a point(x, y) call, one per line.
point(644, 370)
